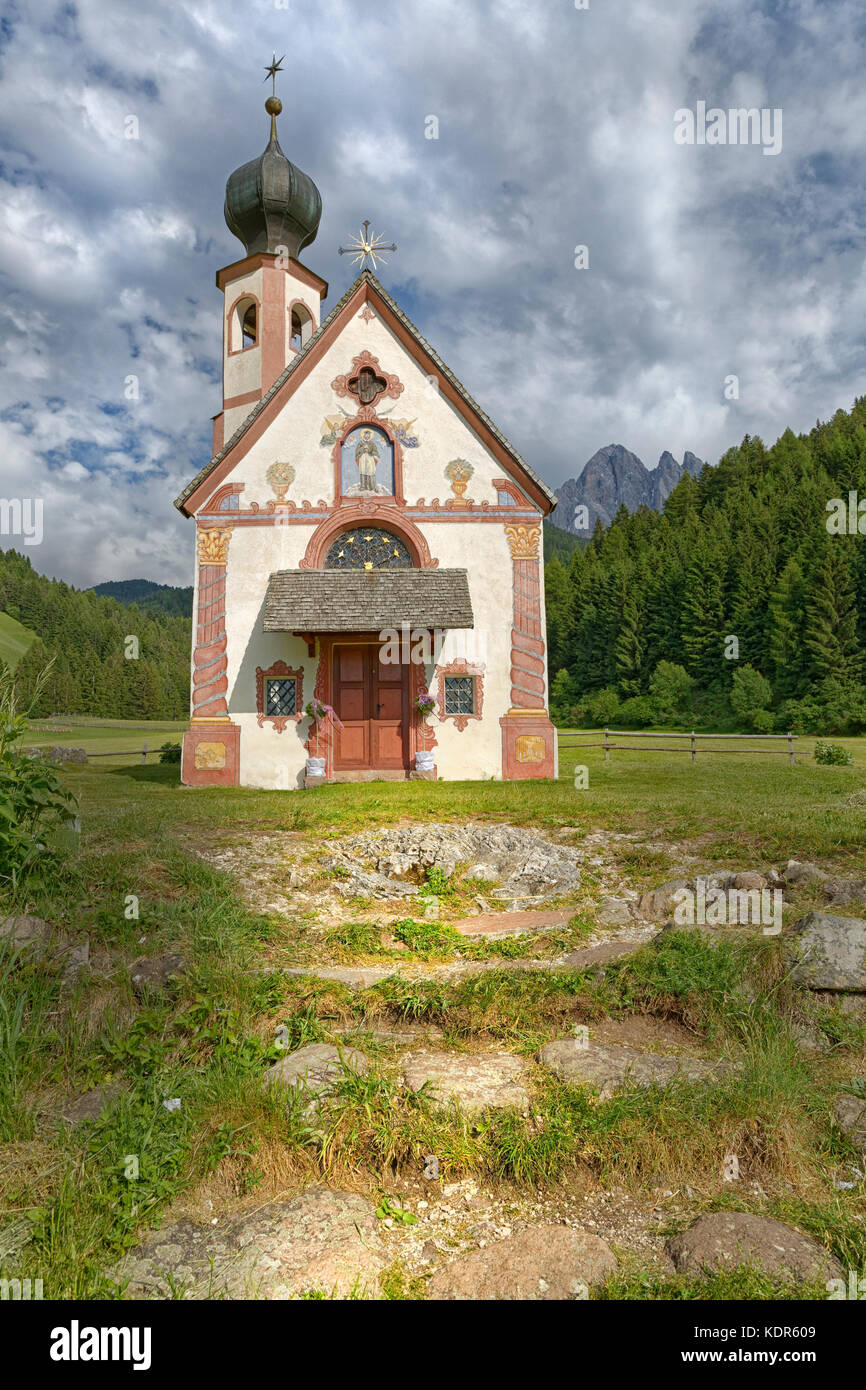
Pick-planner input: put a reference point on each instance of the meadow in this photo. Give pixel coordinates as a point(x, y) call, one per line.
point(149, 842)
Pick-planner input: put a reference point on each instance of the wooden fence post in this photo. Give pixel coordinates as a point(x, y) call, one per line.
point(791, 746)
point(606, 748)
point(144, 754)
point(694, 747)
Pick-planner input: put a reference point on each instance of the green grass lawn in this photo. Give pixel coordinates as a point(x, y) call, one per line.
point(104, 736)
point(15, 639)
point(752, 806)
point(209, 1040)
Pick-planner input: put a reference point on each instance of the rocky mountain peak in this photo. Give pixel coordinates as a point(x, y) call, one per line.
point(615, 477)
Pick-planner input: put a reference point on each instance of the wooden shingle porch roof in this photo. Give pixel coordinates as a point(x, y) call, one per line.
point(366, 600)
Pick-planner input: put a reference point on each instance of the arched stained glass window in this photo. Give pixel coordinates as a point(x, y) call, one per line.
point(368, 548)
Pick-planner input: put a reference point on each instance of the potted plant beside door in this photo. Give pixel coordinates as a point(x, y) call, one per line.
point(320, 713)
point(424, 705)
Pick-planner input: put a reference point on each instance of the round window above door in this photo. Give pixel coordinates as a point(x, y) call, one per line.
point(368, 548)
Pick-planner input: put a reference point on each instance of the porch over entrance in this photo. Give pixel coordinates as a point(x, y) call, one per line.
point(367, 600)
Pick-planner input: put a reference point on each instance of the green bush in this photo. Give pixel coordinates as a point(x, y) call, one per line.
point(763, 721)
point(750, 694)
point(34, 804)
point(562, 698)
point(169, 752)
point(637, 712)
point(671, 689)
point(832, 754)
point(835, 707)
point(601, 707)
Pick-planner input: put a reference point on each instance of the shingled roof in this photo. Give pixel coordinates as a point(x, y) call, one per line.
point(312, 346)
point(366, 600)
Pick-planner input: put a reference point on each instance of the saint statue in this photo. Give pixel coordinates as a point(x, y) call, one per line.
point(367, 459)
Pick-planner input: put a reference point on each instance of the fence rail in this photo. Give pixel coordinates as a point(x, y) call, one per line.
point(567, 741)
point(126, 753)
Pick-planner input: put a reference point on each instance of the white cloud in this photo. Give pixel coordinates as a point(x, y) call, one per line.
point(556, 128)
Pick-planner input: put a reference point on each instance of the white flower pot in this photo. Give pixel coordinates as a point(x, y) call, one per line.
point(424, 761)
point(315, 767)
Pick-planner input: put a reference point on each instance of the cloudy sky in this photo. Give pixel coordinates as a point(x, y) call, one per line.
point(555, 130)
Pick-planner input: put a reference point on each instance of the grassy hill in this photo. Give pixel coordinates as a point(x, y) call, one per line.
point(15, 640)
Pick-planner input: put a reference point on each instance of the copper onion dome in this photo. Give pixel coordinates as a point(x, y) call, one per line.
point(271, 204)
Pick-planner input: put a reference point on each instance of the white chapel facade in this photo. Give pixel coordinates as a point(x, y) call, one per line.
point(366, 538)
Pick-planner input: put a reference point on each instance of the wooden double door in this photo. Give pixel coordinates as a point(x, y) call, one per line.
point(372, 700)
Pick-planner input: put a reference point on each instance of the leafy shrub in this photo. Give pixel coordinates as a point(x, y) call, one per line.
point(671, 689)
point(563, 698)
point(34, 804)
point(637, 712)
point(169, 752)
point(763, 721)
point(832, 754)
point(750, 694)
point(600, 707)
point(833, 708)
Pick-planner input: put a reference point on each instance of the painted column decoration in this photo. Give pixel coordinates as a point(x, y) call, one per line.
point(528, 737)
point(211, 748)
point(209, 682)
point(527, 638)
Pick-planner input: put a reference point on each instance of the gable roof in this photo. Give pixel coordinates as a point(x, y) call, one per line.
point(367, 287)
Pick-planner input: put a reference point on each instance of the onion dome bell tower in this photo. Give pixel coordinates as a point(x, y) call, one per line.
point(271, 205)
point(272, 302)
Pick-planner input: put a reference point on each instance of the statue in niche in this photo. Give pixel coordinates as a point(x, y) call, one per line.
point(367, 463)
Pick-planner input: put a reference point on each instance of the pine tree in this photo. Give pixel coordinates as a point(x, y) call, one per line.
point(830, 634)
point(630, 649)
point(703, 615)
point(786, 611)
point(557, 603)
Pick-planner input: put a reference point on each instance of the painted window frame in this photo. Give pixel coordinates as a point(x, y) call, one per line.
point(279, 670)
point(463, 668)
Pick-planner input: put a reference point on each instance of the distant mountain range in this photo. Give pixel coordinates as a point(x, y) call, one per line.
point(615, 477)
point(148, 596)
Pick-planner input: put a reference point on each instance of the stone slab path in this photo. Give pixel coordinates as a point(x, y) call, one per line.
point(364, 976)
point(493, 924)
point(324, 1241)
point(476, 1081)
point(607, 1066)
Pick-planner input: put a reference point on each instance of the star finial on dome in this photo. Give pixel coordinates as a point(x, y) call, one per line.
point(273, 105)
point(272, 69)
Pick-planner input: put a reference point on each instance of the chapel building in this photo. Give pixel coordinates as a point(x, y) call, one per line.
point(366, 538)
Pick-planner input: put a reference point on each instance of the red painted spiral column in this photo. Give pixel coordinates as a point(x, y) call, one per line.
point(211, 747)
point(528, 736)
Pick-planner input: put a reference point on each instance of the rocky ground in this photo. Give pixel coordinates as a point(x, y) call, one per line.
point(475, 1237)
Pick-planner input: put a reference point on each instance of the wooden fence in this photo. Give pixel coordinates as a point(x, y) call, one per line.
point(567, 741)
point(126, 753)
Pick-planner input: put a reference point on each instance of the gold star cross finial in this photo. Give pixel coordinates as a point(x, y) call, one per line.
point(367, 246)
point(272, 69)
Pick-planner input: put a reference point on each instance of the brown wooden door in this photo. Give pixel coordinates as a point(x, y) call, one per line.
point(372, 700)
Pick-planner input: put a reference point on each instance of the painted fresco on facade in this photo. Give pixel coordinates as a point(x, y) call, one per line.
point(367, 463)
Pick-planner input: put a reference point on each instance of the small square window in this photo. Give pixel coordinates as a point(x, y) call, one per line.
point(281, 697)
point(459, 694)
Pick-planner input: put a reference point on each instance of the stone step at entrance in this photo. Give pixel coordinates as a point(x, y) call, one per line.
point(363, 976)
point(498, 924)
